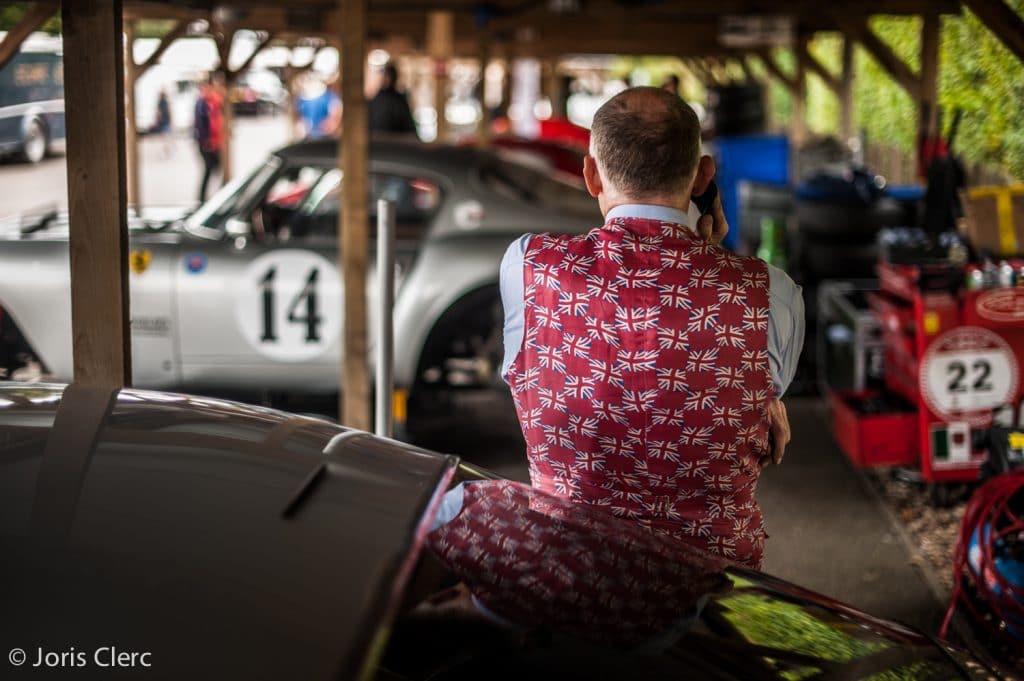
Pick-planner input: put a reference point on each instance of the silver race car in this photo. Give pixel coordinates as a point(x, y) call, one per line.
point(245, 292)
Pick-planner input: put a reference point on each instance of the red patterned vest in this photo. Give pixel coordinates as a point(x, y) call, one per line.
point(643, 380)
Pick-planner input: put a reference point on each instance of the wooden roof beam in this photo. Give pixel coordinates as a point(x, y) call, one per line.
point(883, 54)
point(178, 30)
point(773, 68)
point(810, 61)
point(35, 17)
point(1005, 23)
point(233, 74)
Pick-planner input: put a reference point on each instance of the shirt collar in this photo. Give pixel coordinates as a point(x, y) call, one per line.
point(647, 211)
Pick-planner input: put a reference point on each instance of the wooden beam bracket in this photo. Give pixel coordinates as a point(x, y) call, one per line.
point(810, 61)
point(1005, 23)
point(35, 17)
point(883, 54)
point(177, 31)
point(772, 66)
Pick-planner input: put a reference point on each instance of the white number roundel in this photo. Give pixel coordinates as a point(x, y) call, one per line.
point(289, 306)
point(967, 372)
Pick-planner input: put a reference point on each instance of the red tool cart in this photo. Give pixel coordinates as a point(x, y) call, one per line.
point(954, 356)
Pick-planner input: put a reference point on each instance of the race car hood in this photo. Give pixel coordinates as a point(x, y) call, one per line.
point(51, 224)
point(264, 545)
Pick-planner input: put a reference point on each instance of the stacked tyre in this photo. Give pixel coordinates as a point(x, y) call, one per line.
point(839, 214)
point(736, 110)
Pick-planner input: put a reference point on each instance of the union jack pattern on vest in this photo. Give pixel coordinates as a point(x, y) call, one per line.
point(543, 561)
point(643, 381)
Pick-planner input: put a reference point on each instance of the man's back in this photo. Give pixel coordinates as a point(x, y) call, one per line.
point(643, 379)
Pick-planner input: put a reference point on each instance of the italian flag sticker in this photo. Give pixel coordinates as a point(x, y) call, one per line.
point(951, 444)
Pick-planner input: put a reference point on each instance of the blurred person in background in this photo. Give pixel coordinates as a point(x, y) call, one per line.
point(162, 125)
point(319, 109)
point(208, 130)
point(389, 108)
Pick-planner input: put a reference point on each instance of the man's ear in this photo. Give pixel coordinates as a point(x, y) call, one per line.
point(591, 177)
point(705, 173)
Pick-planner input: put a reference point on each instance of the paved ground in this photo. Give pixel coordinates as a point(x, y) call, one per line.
point(170, 172)
point(827, 532)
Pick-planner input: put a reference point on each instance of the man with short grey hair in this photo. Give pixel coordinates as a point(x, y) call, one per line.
point(645, 361)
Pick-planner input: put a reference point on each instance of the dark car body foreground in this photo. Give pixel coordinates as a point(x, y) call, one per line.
point(234, 542)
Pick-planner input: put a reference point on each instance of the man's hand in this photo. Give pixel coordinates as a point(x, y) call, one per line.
point(778, 433)
point(712, 225)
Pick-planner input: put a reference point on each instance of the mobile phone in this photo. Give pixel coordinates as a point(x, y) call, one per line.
point(705, 201)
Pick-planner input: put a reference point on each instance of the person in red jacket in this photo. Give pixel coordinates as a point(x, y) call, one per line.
point(645, 361)
point(208, 130)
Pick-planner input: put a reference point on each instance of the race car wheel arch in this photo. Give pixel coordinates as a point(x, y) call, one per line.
point(463, 348)
point(15, 350)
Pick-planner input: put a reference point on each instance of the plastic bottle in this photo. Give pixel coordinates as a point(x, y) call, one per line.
point(771, 249)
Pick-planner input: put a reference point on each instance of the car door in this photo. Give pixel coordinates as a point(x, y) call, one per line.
point(257, 311)
point(155, 356)
point(265, 311)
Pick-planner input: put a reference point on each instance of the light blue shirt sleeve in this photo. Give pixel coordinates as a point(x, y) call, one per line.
point(785, 328)
point(512, 299)
point(785, 301)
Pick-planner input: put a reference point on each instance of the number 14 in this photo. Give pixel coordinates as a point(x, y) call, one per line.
point(311, 319)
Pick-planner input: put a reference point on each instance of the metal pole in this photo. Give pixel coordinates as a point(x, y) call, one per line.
point(383, 420)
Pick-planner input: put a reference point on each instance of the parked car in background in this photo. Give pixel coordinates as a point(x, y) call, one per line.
point(32, 100)
point(190, 537)
point(245, 292)
point(258, 93)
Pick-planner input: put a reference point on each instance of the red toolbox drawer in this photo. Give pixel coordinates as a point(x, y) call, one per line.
point(875, 438)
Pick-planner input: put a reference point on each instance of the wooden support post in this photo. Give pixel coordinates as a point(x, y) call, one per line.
point(440, 41)
point(999, 18)
point(483, 128)
point(549, 83)
point(98, 240)
point(34, 17)
point(748, 73)
point(846, 91)
point(353, 224)
point(506, 83)
point(799, 122)
point(131, 138)
point(929, 95)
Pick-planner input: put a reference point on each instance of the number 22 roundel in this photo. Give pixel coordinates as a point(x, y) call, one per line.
point(966, 373)
point(289, 305)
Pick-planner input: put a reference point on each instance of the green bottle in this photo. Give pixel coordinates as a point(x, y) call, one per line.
point(771, 249)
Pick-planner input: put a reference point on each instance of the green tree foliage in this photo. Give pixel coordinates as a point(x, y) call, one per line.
point(11, 14)
point(977, 75)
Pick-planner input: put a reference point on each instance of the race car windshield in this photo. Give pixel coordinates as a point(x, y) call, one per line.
point(520, 182)
point(231, 200)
